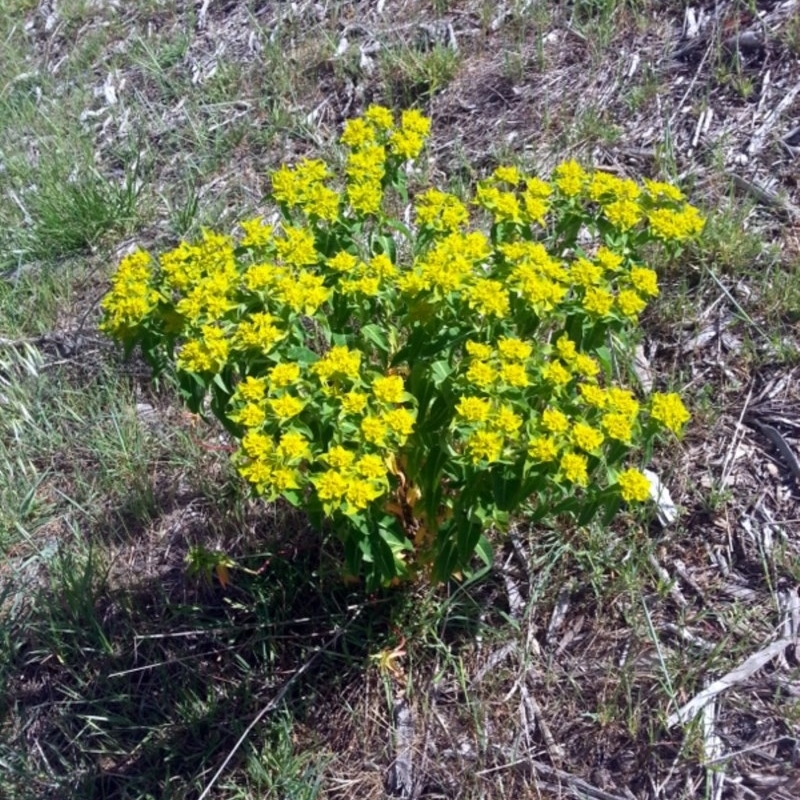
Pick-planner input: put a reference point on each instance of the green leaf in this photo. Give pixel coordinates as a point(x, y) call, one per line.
point(467, 538)
point(484, 550)
point(612, 503)
point(440, 372)
point(219, 381)
point(446, 561)
point(387, 246)
point(301, 354)
point(375, 334)
point(398, 226)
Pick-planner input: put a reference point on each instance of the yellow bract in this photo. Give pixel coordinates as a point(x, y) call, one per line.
point(634, 486)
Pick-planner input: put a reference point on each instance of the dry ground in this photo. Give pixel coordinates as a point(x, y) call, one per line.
point(577, 666)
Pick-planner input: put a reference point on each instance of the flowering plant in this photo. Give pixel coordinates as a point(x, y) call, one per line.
point(416, 383)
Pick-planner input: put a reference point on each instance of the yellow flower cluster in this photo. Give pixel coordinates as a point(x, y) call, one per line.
point(131, 297)
point(304, 187)
point(669, 410)
point(207, 353)
point(281, 325)
point(566, 438)
point(441, 211)
point(374, 141)
point(634, 486)
point(373, 423)
point(622, 202)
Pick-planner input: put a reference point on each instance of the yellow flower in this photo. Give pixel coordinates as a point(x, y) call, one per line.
point(284, 375)
point(503, 205)
point(543, 448)
point(555, 421)
point(357, 133)
point(338, 360)
point(630, 303)
point(485, 445)
point(479, 350)
point(507, 175)
point(256, 233)
point(514, 349)
point(608, 259)
point(566, 348)
point(252, 389)
point(586, 437)
point(382, 266)
point(286, 188)
point(598, 301)
point(283, 479)
point(413, 121)
point(634, 486)
point(622, 401)
point(354, 402)
point(584, 273)
point(371, 467)
point(514, 375)
point(624, 214)
point(541, 293)
point(260, 277)
point(251, 415)
point(400, 421)
point(339, 458)
point(618, 426)
point(294, 446)
point(441, 211)
point(343, 262)
point(678, 225)
point(593, 395)
point(366, 285)
point(257, 445)
point(388, 389)
point(570, 177)
point(657, 190)
point(360, 494)
point(488, 297)
point(645, 280)
point(367, 165)
point(506, 421)
point(669, 410)
point(605, 185)
point(374, 430)
point(574, 468)
point(322, 202)
point(481, 374)
point(297, 248)
point(259, 473)
point(475, 246)
point(538, 188)
point(304, 293)
point(365, 197)
point(556, 373)
point(257, 332)
point(473, 409)
point(331, 485)
point(310, 171)
point(380, 117)
point(207, 354)
point(286, 407)
point(586, 365)
point(406, 144)
point(535, 208)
